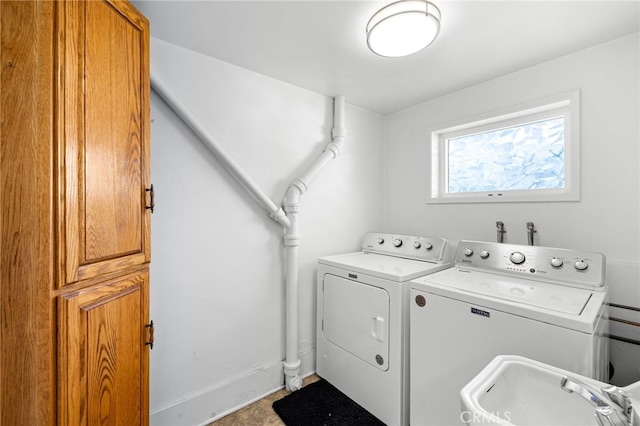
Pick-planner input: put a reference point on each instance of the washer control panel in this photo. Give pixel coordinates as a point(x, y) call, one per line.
point(427, 249)
point(562, 266)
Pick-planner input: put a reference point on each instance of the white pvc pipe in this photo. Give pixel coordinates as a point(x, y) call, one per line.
point(331, 151)
point(242, 178)
point(298, 187)
point(291, 364)
point(287, 218)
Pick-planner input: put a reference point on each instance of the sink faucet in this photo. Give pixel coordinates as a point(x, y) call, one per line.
point(612, 406)
point(501, 231)
point(530, 231)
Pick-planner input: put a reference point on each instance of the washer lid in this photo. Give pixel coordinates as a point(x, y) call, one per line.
point(533, 293)
point(388, 267)
point(568, 307)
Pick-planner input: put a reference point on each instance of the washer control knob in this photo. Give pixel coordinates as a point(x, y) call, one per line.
point(417, 245)
point(580, 264)
point(484, 254)
point(556, 262)
point(517, 257)
point(397, 242)
point(380, 240)
point(468, 251)
point(428, 246)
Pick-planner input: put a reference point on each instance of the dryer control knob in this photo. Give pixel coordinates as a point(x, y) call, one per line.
point(468, 251)
point(517, 257)
point(556, 262)
point(580, 264)
point(428, 246)
point(380, 240)
point(397, 242)
point(417, 245)
point(484, 254)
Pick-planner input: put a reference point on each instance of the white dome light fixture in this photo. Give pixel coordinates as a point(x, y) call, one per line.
point(403, 28)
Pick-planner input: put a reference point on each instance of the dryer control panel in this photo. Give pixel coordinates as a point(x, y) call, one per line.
point(427, 249)
point(556, 265)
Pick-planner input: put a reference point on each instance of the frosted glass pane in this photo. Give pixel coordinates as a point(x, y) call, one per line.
point(528, 156)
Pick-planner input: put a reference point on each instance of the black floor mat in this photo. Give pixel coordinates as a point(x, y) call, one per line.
point(321, 404)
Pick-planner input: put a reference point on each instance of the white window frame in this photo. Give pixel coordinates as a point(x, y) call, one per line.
point(566, 104)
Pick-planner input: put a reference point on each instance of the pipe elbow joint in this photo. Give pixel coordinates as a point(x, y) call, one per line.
point(281, 217)
point(338, 132)
point(296, 189)
point(334, 148)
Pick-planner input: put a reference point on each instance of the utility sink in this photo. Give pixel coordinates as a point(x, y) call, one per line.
point(513, 390)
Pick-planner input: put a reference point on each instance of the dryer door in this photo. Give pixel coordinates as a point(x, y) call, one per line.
point(356, 318)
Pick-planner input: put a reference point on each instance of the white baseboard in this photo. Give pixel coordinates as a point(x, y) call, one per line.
point(215, 403)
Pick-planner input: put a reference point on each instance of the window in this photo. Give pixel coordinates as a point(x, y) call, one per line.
point(524, 153)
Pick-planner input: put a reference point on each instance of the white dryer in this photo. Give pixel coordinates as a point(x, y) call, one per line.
point(543, 303)
point(362, 336)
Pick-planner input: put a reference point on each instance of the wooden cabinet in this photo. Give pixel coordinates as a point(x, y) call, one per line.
point(74, 213)
point(104, 149)
point(104, 371)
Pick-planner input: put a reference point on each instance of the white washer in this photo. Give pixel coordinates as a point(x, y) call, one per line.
point(502, 299)
point(362, 334)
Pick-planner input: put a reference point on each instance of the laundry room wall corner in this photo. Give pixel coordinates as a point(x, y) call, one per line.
point(218, 296)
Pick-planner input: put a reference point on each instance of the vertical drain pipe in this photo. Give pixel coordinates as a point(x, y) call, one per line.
point(291, 203)
point(287, 218)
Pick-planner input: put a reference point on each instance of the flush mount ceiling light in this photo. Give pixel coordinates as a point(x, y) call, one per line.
point(403, 28)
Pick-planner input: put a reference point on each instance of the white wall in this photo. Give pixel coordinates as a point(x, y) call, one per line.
point(606, 219)
point(217, 294)
point(217, 282)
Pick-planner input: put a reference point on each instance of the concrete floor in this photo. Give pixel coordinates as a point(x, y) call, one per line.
point(260, 412)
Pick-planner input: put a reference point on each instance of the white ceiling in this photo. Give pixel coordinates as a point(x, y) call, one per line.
point(320, 45)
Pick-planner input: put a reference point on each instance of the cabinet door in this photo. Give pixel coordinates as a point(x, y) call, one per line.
point(104, 355)
point(104, 148)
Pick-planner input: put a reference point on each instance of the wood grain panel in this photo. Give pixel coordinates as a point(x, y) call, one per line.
point(112, 168)
point(27, 349)
point(69, 123)
point(106, 140)
point(77, 355)
point(103, 356)
point(114, 361)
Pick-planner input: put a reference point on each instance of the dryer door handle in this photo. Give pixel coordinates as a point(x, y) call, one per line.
point(378, 330)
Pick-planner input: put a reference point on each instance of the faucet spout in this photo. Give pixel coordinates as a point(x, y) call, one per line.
point(584, 391)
